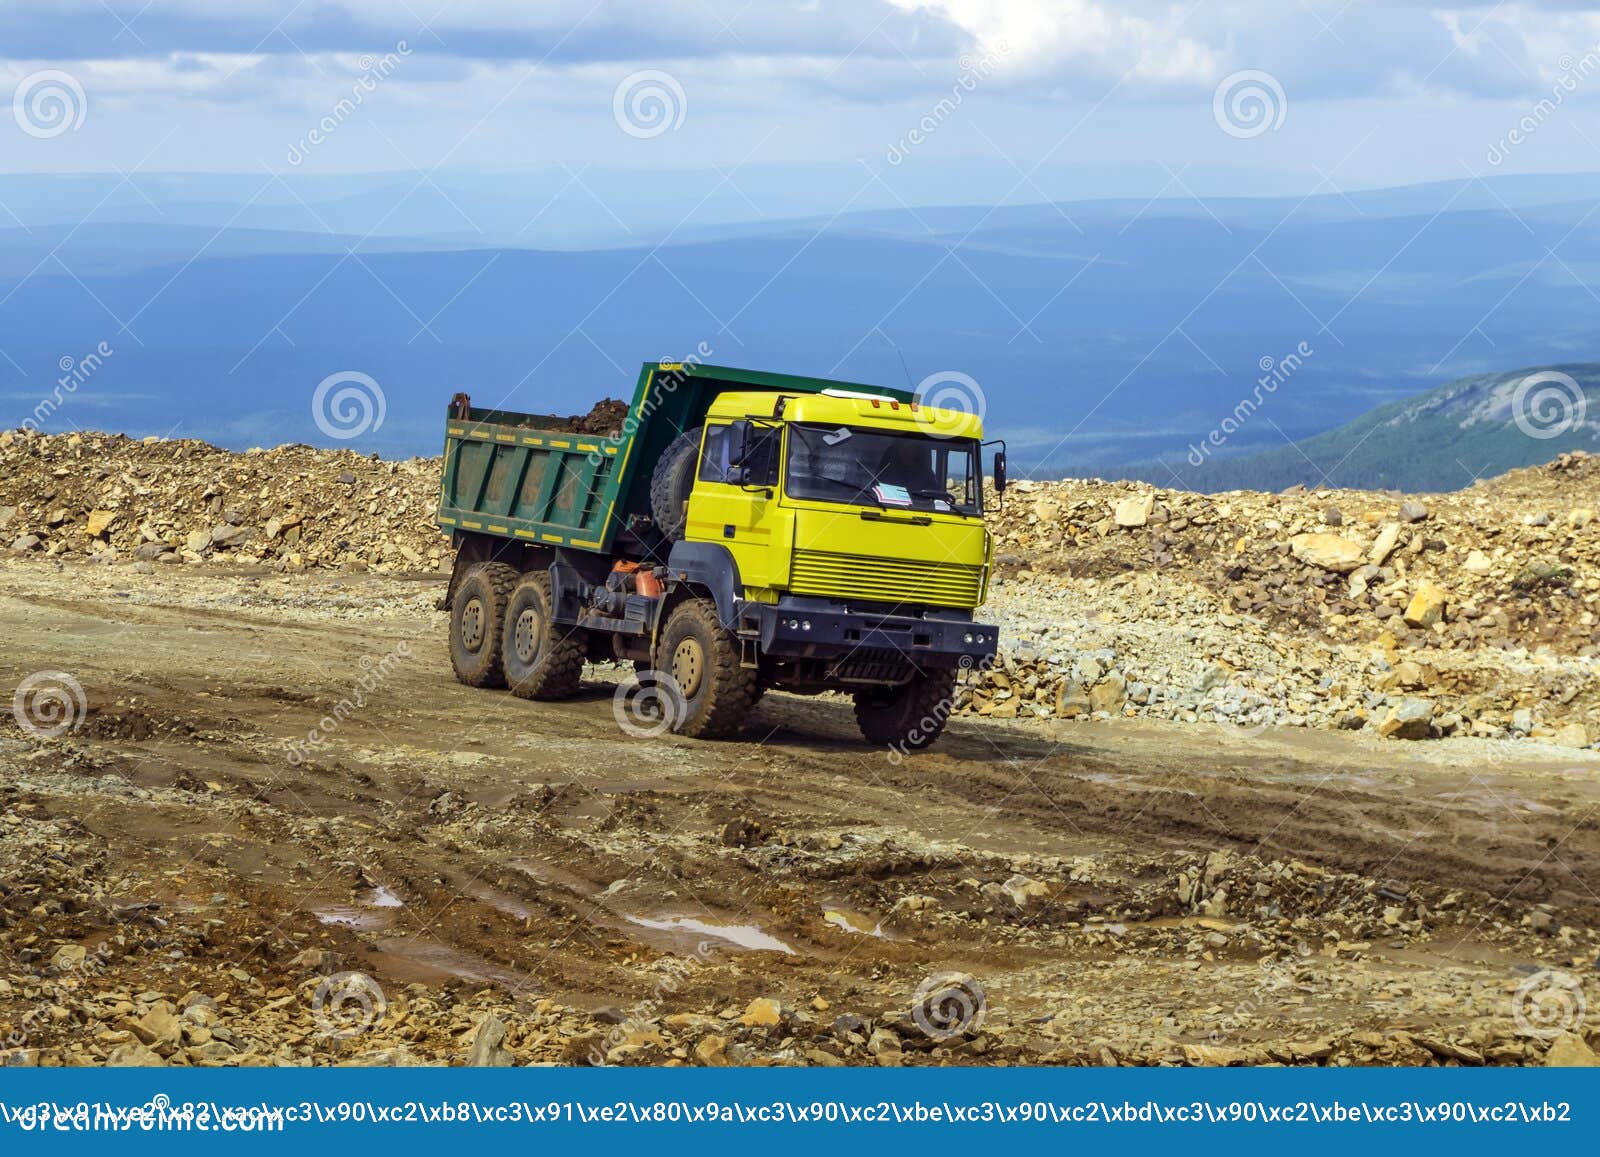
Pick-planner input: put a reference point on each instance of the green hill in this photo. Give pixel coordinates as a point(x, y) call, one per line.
point(1475, 427)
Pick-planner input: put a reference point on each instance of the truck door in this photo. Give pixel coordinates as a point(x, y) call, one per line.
point(739, 514)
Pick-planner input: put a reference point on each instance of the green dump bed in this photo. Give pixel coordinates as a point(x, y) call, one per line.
point(505, 477)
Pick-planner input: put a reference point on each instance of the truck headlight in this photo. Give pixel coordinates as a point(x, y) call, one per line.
point(967, 638)
point(805, 624)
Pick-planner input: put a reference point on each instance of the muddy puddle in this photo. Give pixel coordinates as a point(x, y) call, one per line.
point(703, 936)
point(500, 900)
point(375, 911)
point(855, 922)
point(426, 959)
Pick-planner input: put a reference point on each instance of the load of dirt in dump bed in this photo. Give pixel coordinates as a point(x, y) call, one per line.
point(605, 419)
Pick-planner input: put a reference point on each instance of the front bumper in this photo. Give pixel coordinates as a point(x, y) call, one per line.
point(803, 630)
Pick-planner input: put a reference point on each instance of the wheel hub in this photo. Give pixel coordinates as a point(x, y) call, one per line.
point(689, 666)
point(472, 624)
point(525, 638)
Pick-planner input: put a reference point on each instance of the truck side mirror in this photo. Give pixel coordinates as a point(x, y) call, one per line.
point(738, 442)
point(999, 471)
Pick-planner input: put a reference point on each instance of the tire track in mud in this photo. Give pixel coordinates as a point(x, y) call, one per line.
point(525, 842)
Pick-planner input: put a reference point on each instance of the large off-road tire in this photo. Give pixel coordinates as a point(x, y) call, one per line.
point(703, 659)
point(476, 614)
point(543, 659)
point(671, 482)
point(908, 717)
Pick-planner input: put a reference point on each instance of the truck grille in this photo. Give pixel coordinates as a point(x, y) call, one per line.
point(871, 664)
point(885, 580)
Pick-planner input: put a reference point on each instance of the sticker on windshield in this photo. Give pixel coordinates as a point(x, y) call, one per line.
point(837, 436)
point(891, 495)
point(940, 504)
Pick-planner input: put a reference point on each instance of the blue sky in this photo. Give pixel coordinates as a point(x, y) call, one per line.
point(1028, 98)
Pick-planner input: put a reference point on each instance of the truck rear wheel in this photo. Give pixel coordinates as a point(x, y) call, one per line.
point(542, 659)
point(671, 482)
point(703, 659)
point(476, 614)
point(909, 717)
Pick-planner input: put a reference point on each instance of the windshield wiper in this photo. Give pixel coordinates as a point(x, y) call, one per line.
point(855, 490)
point(944, 496)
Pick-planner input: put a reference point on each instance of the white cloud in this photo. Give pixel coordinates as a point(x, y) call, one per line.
point(1044, 35)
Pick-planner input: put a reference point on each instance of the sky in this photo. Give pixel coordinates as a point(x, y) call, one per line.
point(1030, 98)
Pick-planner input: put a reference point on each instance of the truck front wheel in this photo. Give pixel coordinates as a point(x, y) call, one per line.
point(476, 612)
point(908, 717)
point(543, 659)
point(702, 657)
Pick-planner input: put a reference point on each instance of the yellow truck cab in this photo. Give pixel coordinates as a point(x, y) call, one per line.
point(743, 531)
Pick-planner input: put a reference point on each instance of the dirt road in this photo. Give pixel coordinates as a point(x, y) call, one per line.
point(270, 781)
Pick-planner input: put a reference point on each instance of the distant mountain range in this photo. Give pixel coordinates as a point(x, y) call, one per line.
point(1102, 332)
point(1444, 439)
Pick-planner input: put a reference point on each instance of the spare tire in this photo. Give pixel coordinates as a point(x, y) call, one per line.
point(671, 483)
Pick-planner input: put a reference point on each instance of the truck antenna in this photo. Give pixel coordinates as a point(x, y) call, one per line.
point(903, 366)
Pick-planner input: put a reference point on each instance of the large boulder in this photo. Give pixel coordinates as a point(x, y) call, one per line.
point(488, 1049)
point(1134, 511)
point(1411, 719)
point(1328, 551)
point(1427, 605)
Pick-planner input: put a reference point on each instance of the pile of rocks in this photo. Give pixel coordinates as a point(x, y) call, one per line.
point(108, 498)
point(1471, 613)
point(1508, 563)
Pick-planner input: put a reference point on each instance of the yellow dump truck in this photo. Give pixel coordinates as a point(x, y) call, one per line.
point(737, 531)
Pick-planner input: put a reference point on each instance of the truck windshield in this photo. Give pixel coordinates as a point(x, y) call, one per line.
point(875, 468)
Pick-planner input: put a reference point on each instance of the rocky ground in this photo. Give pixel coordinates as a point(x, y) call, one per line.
point(1470, 613)
point(249, 818)
point(273, 830)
